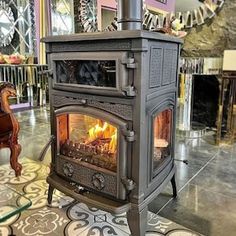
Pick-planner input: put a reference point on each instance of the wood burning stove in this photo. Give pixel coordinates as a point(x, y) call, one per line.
point(113, 104)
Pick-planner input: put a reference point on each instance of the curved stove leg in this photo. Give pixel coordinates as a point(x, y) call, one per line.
point(50, 193)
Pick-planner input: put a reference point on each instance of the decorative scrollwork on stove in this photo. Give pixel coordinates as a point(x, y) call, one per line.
point(59, 101)
point(156, 71)
point(121, 110)
point(68, 169)
point(114, 45)
point(98, 181)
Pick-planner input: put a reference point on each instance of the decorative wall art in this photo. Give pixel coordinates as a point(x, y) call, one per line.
point(7, 20)
point(17, 27)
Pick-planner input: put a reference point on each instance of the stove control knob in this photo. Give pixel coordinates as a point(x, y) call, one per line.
point(68, 169)
point(98, 181)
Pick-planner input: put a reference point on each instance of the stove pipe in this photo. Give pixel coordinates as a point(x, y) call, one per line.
point(130, 14)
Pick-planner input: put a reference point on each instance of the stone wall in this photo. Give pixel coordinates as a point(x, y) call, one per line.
point(216, 35)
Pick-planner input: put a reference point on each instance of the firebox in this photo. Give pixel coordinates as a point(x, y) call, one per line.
point(113, 111)
point(92, 148)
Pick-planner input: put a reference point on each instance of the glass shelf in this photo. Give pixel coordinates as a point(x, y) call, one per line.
point(11, 202)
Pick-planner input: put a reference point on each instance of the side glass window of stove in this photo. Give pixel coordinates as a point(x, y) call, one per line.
point(162, 137)
point(100, 73)
point(88, 140)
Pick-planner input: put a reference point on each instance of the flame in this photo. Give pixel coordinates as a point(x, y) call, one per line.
point(113, 143)
point(103, 130)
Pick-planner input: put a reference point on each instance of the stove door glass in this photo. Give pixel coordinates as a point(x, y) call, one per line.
point(88, 139)
point(162, 137)
point(98, 73)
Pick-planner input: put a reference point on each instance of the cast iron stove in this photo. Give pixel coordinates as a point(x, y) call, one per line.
point(113, 110)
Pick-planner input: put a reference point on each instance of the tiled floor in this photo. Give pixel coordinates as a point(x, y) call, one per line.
point(206, 202)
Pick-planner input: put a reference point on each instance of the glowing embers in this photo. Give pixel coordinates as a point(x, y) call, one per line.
point(162, 137)
point(89, 140)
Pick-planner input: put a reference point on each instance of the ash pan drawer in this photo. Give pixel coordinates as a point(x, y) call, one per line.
point(94, 179)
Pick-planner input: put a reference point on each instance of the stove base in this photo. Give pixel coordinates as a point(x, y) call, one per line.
point(136, 213)
point(89, 198)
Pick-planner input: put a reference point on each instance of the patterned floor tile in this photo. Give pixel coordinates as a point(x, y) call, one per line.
point(6, 228)
point(119, 221)
point(42, 222)
point(91, 210)
point(97, 229)
point(29, 173)
point(64, 216)
point(81, 221)
point(5, 231)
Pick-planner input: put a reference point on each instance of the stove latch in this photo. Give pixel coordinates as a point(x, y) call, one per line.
point(129, 91)
point(129, 135)
point(129, 62)
point(128, 183)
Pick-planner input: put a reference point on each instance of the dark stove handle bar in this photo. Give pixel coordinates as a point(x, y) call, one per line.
point(184, 161)
point(46, 147)
point(49, 73)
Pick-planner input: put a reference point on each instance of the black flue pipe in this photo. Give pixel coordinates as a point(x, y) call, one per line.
point(130, 14)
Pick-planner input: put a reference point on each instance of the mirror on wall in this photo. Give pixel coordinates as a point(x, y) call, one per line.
point(62, 17)
point(6, 24)
point(174, 18)
point(17, 27)
point(196, 12)
point(189, 13)
point(70, 16)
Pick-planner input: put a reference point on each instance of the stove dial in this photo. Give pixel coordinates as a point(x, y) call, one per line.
point(68, 169)
point(98, 181)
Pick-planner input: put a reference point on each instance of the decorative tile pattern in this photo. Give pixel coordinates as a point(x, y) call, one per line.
point(42, 222)
point(67, 217)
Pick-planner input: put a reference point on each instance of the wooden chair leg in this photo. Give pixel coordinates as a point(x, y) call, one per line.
point(15, 152)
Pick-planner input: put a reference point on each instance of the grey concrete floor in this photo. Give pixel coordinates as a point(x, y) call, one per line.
point(206, 201)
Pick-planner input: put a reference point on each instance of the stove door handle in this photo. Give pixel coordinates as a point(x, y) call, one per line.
point(46, 147)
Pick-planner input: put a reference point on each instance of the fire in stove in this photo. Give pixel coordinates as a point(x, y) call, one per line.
point(162, 137)
point(90, 140)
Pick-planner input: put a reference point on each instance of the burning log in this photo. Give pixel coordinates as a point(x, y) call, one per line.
point(98, 155)
point(99, 141)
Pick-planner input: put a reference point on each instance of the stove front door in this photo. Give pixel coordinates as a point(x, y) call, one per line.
point(92, 149)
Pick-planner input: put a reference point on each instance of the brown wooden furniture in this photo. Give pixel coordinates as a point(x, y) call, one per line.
point(9, 127)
